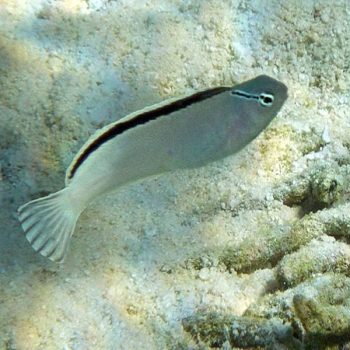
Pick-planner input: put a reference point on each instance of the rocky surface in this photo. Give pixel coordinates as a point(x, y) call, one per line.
point(259, 240)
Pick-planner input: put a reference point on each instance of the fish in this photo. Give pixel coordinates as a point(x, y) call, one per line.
point(178, 133)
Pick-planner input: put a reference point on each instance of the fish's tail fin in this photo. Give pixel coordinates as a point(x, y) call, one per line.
point(49, 223)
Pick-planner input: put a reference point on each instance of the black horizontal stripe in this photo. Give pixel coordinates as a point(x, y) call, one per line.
point(243, 94)
point(143, 118)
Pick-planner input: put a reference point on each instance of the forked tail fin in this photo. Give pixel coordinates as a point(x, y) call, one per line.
point(49, 223)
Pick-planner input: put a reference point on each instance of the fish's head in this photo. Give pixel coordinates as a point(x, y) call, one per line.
point(259, 100)
point(253, 104)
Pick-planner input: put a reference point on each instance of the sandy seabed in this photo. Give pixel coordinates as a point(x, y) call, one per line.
point(246, 252)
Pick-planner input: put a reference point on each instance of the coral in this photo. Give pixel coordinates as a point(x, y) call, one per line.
point(316, 257)
point(242, 332)
point(308, 247)
point(323, 324)
point(313, 315)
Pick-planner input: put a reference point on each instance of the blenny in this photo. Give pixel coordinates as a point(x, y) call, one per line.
point(178, 133)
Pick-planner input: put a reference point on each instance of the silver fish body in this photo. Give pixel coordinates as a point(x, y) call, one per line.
point(178, 133)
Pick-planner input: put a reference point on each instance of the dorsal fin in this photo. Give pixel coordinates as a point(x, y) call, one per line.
point(134, 119)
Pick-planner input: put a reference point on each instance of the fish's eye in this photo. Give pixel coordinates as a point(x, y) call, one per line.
point(266, 100)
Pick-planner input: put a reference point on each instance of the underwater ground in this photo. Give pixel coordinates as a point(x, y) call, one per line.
point(249, 252)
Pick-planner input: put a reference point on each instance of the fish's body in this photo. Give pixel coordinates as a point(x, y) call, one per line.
point(178, 133)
